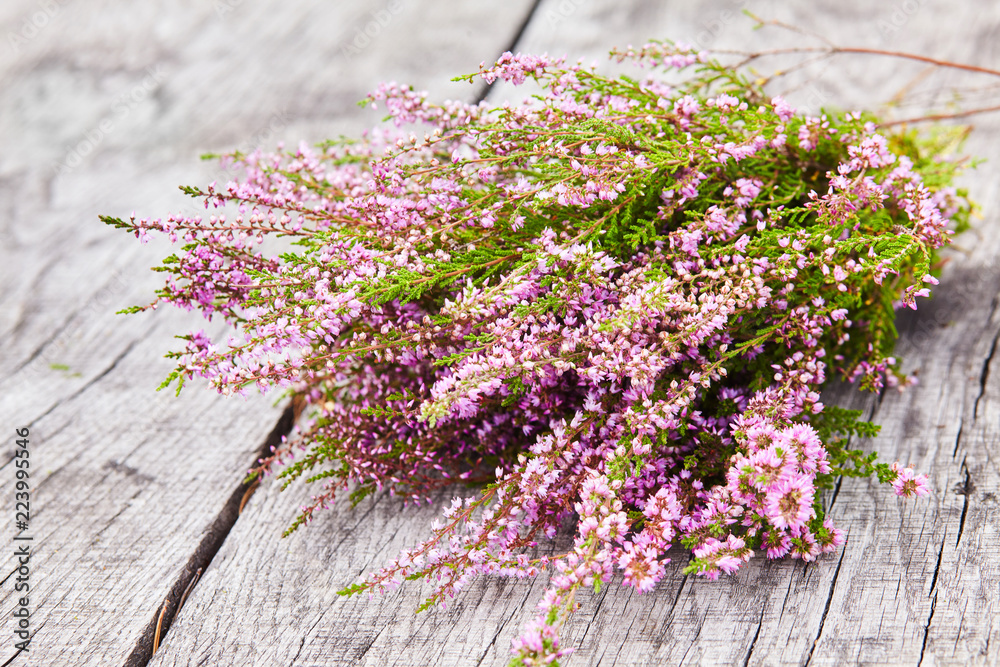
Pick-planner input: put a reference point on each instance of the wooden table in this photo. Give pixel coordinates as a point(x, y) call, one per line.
point(105, 108)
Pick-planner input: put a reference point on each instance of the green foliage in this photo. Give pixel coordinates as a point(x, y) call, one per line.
point(580, 302)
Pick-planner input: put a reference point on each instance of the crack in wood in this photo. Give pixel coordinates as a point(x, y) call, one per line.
point(961, 623)
point(357, 523)
point(112, 519)
point(52, 474)
point(295, 657)
point(785, 601)
point(370, 644)
point(31, 638)
point(826, 609)
point(933, 592)
point(597, 610)
point(513, 45)
point(753, 642)
point(624, 641)
point(966, 492)
point(34, 553)
point(496, 636)
point(958, 438)
point(22, 317)
point(937, 567)
point(985, 374)
point(677, 597)
point(90, 383)
point(48, 435)
point(836, 492)
point(694, 640)
point(202, 556)
point(378, 556)
point(877, 403)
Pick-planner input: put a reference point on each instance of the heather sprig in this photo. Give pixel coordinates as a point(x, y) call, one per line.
point(612, 306)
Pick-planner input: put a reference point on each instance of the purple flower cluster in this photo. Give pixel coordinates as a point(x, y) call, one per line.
point(614, 305)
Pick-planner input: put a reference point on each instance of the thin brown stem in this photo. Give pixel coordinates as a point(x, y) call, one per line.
point(942, 116)
point(838, 50)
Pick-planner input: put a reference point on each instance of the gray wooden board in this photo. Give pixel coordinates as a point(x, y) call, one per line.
point(917, 581)
point(131, 488)
point(906, 588)
point(137, 478)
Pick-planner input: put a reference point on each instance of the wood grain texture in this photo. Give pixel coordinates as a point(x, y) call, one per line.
point(136, 482)
point(105, 108)
point(906, 589)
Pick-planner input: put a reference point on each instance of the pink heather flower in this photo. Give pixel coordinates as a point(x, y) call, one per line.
point(804, 545)
point(530, 645)
point(789, 501)
point(776, 543)
point(761, 437)
point(687, 106)
point(719, 222)
point(907, 484)
point(679, 56)
point(769, 467)
point(784, 110)
point(748, 189)
point(724, 102)
point(662, 511)
point(803, 440)
point(810, 132)
point(515, 68)
point(830, 537)
point(729, 563)
point(872, 152)
point(641, 567)
point(450, 317)
point(721, 556)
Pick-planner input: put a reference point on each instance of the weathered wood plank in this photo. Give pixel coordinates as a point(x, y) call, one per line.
point(904, 589)
point(105, 111)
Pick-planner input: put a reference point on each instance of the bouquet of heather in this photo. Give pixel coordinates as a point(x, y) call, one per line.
point(612, 306)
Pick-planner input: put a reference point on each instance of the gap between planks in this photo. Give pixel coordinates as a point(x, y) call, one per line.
point(164, 613)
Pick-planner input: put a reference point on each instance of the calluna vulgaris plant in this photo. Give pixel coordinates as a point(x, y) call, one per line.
point(615, 305)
